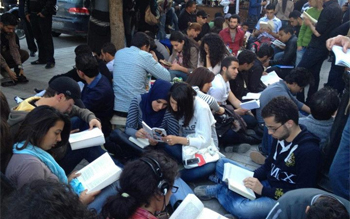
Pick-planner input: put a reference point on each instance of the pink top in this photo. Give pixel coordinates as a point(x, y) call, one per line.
point(142, 214)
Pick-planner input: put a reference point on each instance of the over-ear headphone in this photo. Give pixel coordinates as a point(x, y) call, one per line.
point(163, 185)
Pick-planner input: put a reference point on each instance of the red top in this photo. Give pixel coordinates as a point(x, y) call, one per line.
point(226, 37)
point(142, 214)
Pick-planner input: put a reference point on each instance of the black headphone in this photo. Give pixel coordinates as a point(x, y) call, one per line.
point(163, 185)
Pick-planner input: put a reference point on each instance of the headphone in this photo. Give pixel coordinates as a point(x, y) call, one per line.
point(163, 185)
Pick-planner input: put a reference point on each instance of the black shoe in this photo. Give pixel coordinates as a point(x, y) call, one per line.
point(50, 65)
point(38, 62)
point(244, 138)
point(32, 53)
point(37, 90)
point(22, 79)
point(8, 83)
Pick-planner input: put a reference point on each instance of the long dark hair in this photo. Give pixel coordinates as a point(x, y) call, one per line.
point(138, 184)
point(216, 46)
point(177, 36)
point(38, 122)
point(200, 76)
point(183, 94)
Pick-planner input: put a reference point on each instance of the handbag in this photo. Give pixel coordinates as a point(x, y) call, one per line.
point(193, 157)
point(229, 120)
point(150, 18)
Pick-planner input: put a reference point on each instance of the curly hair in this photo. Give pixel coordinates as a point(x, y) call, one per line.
point(217, 49)
point(43, 199)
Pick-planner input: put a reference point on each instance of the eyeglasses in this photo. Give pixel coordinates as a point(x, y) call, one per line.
point(274, 130)
point(174, 189)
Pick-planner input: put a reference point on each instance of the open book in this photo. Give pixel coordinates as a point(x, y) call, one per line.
point(305, 14)
point(251, 96)
point(278, 43)
point(141, 142)
point(154, 133)
point(191, 207)
point(266, 25)
point(99, 174)
point(166, 63)
point(87, 138)
point(270, 78)
point(341, 58)
point(249, 105)
point(234, 176)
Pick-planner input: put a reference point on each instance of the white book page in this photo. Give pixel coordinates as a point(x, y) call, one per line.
point(270, 78)
point(251, 96)
point(341, 58)
point(234, 176)
point(147, 129)
point(190, 207)
point(141, 142)
point(253, 104)
point(98, 172)
point(210, 214)
point(87, 134)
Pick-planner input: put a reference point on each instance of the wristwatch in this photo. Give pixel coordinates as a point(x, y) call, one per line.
point(20, 66)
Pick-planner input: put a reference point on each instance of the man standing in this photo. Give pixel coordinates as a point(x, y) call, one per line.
point(233, 36)
point(316, 52)
point(39, 14)
point(293, 163)
point(187, 15)
point(11, 54)
point(131, 66)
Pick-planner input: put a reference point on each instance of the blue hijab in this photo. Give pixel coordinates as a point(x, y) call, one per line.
point(159, 90)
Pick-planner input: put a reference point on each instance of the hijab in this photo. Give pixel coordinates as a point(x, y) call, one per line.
point(159, 90)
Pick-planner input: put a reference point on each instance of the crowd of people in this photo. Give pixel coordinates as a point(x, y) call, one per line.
point(188, 87)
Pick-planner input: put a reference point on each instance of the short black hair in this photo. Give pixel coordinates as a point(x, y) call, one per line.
point(295, 14)
point(190, 4)
point(109, 48)
point(287, 29)
point(301, 76)
point(245, 24)
point(246, 56)
point(226, 62)
point(270, 7)
point(327, 207)
point(87, 64)
point(140, 39)
point(324, 103)
point(265, 50)
point(283, 109)
point(235, 16)
point(9, 19)
point(83, 48)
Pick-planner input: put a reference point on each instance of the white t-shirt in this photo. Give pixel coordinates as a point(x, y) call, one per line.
point(220, 89)
point(110, 65)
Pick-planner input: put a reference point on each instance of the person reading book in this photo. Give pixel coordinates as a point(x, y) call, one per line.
point(293, 163)
point(45, 128)
point(197, 127)
point(150, 108)
point(145, 187)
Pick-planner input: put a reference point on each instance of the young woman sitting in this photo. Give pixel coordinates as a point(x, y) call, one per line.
point(197, 128)
point(45, 128)
point(146, 185)
point(193, 30)
point(200, 80)
point(150, 108)
point(211, 52)
point(184, 57)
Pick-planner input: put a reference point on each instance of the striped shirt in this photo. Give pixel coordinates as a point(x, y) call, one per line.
point(214, 106)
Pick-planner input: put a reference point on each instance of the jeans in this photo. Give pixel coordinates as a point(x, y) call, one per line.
point(29, 35)
point(250, 121)
point(229, 138)
point(42, 32)
point(101, 198)
point(238, 205)
point(175, 73)
point(278, 55)
point(173, 18)
point(300, 54)
point(335, 77)
point(339, 172)
point(189, 175)
point(312, 60)
point(266, 143)
point(161, 25)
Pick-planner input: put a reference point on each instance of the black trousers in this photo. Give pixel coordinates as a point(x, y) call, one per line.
point(42, 33)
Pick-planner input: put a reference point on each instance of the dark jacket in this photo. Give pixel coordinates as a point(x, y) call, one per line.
point(289, 55)
point(297, 167)
point(254, 84)
point(330, 18)
point(46, 7)
point(184, 18)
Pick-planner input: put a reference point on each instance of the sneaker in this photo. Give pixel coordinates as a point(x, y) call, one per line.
point(241, 148)
point(206, 192)
point(50, 65)
point(38, 62)
point(257, 157)
point(8, 83)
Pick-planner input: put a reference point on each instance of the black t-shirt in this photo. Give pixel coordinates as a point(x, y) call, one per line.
point(184, 18)
point(205, 30)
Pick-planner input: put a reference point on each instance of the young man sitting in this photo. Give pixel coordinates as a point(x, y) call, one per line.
point(108, 51)
point(294, 162)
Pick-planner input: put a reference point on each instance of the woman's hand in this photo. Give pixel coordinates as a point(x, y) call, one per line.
point(254, 184)
point(73, 175)
point(241, 111)
point(208, 60)
point(175, 67)
point(88, 198)
point(141, 133)
point(152, 142)
point(173, 139)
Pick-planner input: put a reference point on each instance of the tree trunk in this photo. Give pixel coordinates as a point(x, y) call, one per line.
point(116, 23)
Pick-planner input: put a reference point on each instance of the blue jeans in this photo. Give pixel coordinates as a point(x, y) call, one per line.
point(101, 198)
point(237, 205)
point(175, 73)
point(229, 138)
point(278, 55)
point(266, 143)
point(171, 15)
point(339, 172)
point(189, 175)
point(250, 121)
point(161, 25)
point(300, 54)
